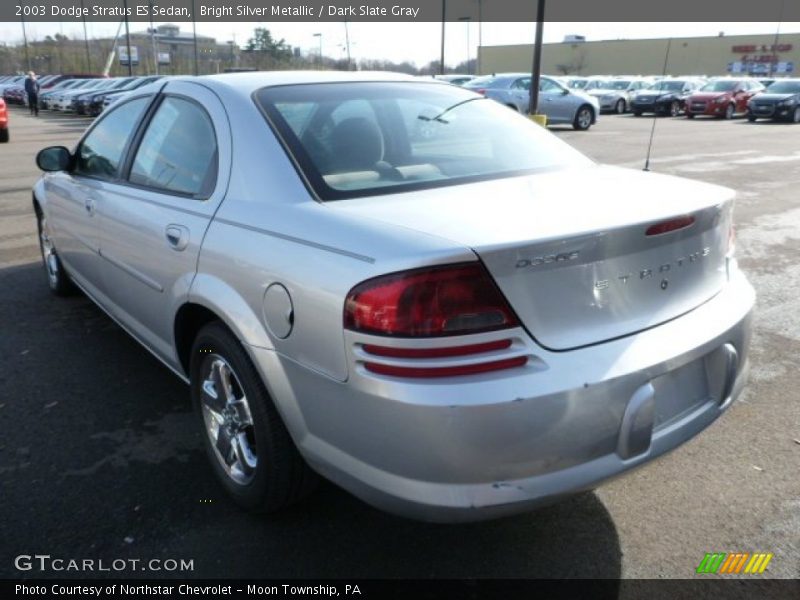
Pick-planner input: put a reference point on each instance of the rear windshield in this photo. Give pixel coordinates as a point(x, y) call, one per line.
point(367, 138)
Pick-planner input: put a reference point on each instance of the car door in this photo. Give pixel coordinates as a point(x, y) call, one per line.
point(553, 102)
point(152, 225)
point(74, 197)
point(520, 93)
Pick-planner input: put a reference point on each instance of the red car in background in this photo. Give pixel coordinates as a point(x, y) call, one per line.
point(723, 97)
point(3, 122)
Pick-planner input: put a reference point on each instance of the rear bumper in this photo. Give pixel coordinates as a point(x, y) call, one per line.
point(478, 447)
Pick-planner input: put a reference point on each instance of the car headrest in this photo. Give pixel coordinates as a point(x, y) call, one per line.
point(357, 144)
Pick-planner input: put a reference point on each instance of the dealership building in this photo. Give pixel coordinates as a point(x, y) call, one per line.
point(757, 55)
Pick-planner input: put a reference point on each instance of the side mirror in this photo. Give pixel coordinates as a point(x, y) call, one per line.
point(54, 158)
point(564, 91)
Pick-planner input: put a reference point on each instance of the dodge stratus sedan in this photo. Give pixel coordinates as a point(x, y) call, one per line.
point(452, 325)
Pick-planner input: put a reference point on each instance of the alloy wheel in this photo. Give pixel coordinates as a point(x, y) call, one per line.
point(48, 253)
point(228, 420)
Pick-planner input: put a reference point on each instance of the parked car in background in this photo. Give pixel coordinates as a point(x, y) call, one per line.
point(67, 84)
point(574, 83)
point(560, 104)
point(4, 134)
point(614, 95)
point(65, 101)
point(722, 97)
point(82, 101)
point(15, 94)
point(439, 325)
point(454, 78)
point(666, 96)
point(92, 103)
point(780, 101)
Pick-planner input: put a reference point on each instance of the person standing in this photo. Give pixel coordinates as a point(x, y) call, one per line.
point(32, 89)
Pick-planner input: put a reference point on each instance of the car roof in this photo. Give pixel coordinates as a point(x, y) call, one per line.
point(248, 82)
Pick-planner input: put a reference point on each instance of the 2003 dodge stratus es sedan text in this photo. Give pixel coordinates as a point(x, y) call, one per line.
point(400, 285)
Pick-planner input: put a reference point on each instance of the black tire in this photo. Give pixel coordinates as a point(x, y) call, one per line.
point(280, 477)
point(513, 107)
point(583, 118)
point(751, 118)
point(796, 115)
point(57, 277)
point(674, 108)
point(730, 110)
point(619, 107)
point(4, 135)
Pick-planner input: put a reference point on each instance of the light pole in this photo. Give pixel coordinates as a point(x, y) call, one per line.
point(128, 40)
point(441, 58)
point(347, 43)
point(480, 38)
point(86, 42)
point(533, 105)
point(467, 21)
point(319, 35)
point(25, 40)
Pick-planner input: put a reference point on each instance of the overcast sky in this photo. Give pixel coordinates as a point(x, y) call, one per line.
point(415, 42)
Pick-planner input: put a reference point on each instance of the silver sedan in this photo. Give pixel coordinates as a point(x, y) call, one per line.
point(400, 286)
point(562, 105)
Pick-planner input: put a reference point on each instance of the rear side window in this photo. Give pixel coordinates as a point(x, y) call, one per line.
point(100, 152)
point(178, 152)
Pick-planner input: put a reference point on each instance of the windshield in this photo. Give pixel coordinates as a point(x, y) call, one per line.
point(577, 84)
point(360, 139)
point(719, 86)
point(667, 86)
point(784, 87)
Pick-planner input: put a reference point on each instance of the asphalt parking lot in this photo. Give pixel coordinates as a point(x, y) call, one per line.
point(99, 456)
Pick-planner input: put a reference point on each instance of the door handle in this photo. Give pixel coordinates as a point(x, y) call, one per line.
point(89, 206)
point(177, 236)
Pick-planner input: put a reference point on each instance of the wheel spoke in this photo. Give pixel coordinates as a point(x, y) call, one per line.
point(212, 399)
point(222, 381)
point(244, 454)
point(224, 446)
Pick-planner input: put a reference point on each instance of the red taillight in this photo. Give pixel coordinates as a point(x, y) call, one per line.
point(454, 371)
point(441, 301)
point(480, 91)
point(670, 225)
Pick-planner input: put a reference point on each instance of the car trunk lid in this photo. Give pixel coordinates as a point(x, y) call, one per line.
point(583, 256)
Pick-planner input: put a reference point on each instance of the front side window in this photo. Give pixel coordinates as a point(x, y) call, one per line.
point(366, 138)
point(100, 152)
point(548, 86)
point(178, 152)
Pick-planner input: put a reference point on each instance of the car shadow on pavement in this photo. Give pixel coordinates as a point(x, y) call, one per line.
point(105, 461)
